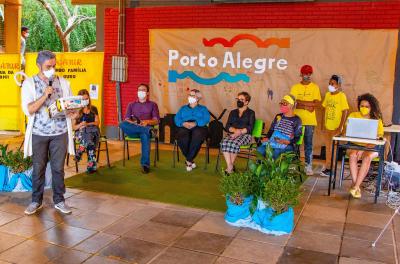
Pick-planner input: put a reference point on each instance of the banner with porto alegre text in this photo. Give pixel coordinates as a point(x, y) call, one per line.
point(266, 63)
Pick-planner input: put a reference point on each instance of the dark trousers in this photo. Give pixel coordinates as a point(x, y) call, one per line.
point(190, 140)
point(55, 149)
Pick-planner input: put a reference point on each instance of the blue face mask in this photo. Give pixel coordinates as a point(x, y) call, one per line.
point(306, 78)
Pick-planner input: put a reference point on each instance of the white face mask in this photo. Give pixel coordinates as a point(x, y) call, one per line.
point(141, 95)
point(26, 35)
point(49, 73)
point(332, 88)
point(192, 100)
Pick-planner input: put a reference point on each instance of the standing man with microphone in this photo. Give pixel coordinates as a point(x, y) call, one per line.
point(46, 138)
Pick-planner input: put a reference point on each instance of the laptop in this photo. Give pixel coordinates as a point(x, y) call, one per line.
point(362, 128)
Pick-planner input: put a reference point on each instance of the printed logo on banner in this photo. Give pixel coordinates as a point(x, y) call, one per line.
point(230, 60)
point(280, 42)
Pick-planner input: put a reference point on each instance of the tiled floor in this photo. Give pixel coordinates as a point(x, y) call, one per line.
point(110, 229)
point(332, 229)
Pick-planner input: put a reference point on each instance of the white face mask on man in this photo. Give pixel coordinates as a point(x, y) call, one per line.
point(49, 73)
point(192, 100)
point(141, 95)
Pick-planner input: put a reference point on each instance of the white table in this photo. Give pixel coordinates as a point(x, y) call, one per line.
point(394, 130)
point(336, 142)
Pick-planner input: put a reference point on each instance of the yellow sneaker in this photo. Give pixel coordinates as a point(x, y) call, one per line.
point(358, 194)
point(355, 192)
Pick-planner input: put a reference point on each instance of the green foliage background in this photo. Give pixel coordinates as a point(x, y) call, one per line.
point(42, 33)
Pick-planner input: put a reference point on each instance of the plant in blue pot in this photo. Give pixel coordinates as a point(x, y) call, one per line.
point(277, 190)
point(3, 161)
point(237, 188)
point(18, 176)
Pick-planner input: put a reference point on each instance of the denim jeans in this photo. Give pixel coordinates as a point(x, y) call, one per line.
point(142, 132)
point(308, 144)
point(276, 152)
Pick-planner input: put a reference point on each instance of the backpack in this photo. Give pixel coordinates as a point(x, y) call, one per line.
point(216, 130)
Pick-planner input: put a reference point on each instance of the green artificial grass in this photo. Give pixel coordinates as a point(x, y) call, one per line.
point(198, 188)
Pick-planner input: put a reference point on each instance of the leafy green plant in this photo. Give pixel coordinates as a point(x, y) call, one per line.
point(16, 162)
point(276, 182)
point(280, 193)
point(237, 186)
point(3, 153)
point(42, 32)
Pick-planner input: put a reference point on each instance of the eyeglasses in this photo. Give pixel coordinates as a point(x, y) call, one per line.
point(284, 103)
point(242, 100)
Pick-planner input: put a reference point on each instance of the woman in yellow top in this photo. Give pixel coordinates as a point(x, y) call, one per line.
point(369, 108)
point(336, 107)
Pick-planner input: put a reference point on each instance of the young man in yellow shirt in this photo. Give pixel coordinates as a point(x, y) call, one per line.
point(336, 108)
point(308, 98)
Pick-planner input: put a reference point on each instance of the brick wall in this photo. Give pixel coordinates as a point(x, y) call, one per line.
point(360, 15)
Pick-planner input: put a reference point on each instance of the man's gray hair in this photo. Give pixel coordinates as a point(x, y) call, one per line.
point(197, 93)
point(44, 55)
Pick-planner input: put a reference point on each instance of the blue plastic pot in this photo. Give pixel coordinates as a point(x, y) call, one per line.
point(235, 213)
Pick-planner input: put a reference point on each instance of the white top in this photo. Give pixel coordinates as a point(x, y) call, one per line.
point(28, 95)
point(392, 129)
point(379, 142)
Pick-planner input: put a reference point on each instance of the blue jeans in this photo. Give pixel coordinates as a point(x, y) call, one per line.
point(308, 144)
point(276, 152)
point(142, 132)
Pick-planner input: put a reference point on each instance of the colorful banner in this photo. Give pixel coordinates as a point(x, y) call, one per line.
point(10, 110)
point(84, 70)
point(266, 63)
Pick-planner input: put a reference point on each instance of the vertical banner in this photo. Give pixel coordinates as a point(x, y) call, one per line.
point(10, 110)
point(266, 63)
point(84, 70)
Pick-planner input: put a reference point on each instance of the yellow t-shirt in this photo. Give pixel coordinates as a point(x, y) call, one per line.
point(334, 105)
point(380, 123)
point(308, 93)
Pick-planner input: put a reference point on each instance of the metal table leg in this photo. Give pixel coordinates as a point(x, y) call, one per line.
point(330, 174)
point(380, 171)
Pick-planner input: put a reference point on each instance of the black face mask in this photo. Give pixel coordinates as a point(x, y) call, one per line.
point(239, 103)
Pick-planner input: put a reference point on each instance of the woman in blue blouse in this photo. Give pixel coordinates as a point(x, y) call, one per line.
point(192, 120)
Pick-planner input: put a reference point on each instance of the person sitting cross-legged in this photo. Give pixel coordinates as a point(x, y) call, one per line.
point(140, 118)
point(239, 126)
point(285, 130)
point(87, 132)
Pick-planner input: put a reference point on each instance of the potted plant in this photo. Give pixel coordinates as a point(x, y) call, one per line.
point(3, 166)
point(277, 190)
point(237, 188)
point(15, 170)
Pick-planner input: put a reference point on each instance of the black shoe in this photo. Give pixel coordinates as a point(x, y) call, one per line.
point(153, 133)
point(325, 173)
point(227, 173)
point(145, 169)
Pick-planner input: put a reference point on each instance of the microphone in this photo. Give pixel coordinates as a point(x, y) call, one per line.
point(50, 84)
